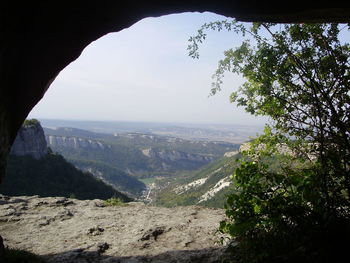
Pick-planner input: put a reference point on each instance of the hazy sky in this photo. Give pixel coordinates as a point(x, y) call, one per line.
point(144, 73)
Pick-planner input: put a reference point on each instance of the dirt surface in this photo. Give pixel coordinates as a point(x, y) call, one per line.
point(70, 230)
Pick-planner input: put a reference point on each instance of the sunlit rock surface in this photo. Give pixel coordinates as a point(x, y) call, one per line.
point(69, 230)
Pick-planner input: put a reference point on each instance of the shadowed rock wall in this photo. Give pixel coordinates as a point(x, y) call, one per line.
point(31, 141)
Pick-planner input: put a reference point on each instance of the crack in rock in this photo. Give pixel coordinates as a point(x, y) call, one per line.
point(153, 233)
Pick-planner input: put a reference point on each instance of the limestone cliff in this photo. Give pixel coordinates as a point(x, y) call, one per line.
point(30, 140)
point(74, 142)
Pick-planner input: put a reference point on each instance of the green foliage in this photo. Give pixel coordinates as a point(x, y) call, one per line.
point(21, 256)
point(281, 211)
point(296, 74)
point(291, 192)
point(114, 201)
point(53, 176)
point(30, 122)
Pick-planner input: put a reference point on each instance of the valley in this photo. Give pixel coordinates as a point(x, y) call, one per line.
point(81, 180)
point(143, 165)
point(154, 168)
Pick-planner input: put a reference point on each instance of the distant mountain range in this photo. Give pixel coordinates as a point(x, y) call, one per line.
point(204, 132)
point(138, 154)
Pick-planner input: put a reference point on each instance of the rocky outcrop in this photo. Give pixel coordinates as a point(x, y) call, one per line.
point(308, 150)
point(30, 140)
point(225, 182)
point(74, 142)
point(69, 230)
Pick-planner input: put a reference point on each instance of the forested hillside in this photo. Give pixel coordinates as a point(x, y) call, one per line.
point(52, 175)
point(207, 186)
point(117, 178)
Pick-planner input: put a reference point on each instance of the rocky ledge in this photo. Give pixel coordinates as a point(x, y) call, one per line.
point(70, 230)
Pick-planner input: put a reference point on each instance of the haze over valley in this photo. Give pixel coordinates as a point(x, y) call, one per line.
point(139, 118)
point(141, 159)
point(234, 133)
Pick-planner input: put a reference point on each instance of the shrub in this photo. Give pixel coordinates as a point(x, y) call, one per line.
point(114, 201)
point(30, 122)
point(278, 210)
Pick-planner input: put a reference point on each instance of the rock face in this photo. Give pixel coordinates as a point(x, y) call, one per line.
point(30, 140)
point(69, 230)
point(74, 142)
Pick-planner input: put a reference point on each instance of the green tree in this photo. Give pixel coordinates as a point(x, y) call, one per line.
point(299, 76)
point(31, 122)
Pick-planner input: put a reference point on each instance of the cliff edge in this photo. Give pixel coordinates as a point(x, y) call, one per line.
point(69, 230)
